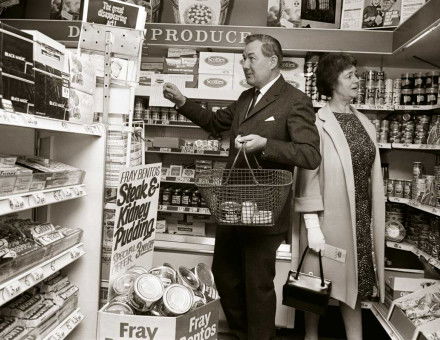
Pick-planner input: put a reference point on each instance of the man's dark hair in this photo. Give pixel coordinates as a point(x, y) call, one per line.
point(270, 46)
point(329, 68)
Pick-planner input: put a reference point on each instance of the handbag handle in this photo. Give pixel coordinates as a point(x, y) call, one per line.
point(242, 149)
point(320, 265)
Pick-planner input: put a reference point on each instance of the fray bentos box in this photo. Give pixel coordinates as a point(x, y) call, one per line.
point(200, 323)
point(411, 312)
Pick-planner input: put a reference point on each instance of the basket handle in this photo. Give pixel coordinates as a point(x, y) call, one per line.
point(242, 149)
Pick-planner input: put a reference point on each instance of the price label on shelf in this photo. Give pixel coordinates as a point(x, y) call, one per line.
point(181, 209)
point(161, 207)
point(165, 122)
point(67, 192)
point(200, 152)
point(165, 149)
point(65, 125)
point(16, 203)
point(12, 289)
point(38, 198)
point(37, 274)
point(58, 195)
point(396, 245)
point(75, 253)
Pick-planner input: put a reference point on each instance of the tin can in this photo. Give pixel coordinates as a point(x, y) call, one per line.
point(146, 290)
point(199, 299)
point(418, 187)
point(137, 270)
point(419, 80)
point(166, 274)
point(119, 308)
point(230, 212)
point(123, 283)
point(407, 81)
point(417, 169)
point(398, 188)
point(370, 96)
point(177, 299)
point(172, 116)
point(390, 187)
point(431, 96)
point(419, 95)
point(187, 278)
point(166, 196)
point(155, 113)
point(186, 197)
point(248, 210)
point(164, 114)
point(406, 97)
point(204, 275)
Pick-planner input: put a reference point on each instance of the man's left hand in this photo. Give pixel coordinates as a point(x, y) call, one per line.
point(254, 143)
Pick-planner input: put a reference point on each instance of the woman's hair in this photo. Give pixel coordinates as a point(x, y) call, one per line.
point(329, 68)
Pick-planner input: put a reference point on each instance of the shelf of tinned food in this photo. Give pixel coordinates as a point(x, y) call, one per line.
point(202, 244)
point(413, 249)
point(408, 146)
point(171, 123)
point(187, 151)
point(172, 179)
point(416, 205)
point(33, 199)
point(12, 287)
point(231, 95)
point(66, 326)
point(51, 124)
point(184, 209)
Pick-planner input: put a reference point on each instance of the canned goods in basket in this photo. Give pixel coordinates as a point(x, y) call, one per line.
point(123, 283)
point(230, 212)
point(177, 299)
point(166, 274)
point(187, 278)
point(146, 290)
point(248, 210)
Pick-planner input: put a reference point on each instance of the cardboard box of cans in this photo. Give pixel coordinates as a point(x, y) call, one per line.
point(161, 302)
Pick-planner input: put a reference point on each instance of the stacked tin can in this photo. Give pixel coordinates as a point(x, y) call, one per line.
point(360, 98)
point(380, 88)
point(139, 107)
point(437, 184)
point(162, 291)
point(397, 89)
point(419, 88)
point(399, 188)
point(421, 129)
point(370, 87)
point(418, 182)
point(389, 84)
point(310, 76)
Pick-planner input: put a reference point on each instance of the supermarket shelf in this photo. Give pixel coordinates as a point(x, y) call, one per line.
point(416, 107)
point(18, 284)
point(196, 93)
point(202, 245)
point(29, 200)
point(416, 205)
point(380, 313)
point(183, 209)
point(373, 107)
point(66, 326)
point(384, 145)
point(194, 152)
point(44, 123)
point(170, 179)
point(413, 249)
point(171, 123)
point(422, 147)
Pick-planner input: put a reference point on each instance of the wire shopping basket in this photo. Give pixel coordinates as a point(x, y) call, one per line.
point(247, 197)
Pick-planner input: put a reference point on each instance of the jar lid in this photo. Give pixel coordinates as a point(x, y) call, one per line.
point(123, 283)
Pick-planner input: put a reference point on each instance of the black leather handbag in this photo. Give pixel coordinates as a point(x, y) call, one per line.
point(307, 292)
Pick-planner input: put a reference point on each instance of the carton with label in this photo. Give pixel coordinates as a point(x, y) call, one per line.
point(216, 63)
point(215, 81)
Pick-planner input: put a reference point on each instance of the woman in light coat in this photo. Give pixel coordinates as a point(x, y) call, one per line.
point(342, 201)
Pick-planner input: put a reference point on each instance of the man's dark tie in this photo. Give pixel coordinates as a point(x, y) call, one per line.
point(254, 100)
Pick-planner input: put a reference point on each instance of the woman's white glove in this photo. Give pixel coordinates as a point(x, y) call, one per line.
point(315, 237)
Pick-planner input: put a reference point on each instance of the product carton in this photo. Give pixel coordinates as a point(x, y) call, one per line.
point(20, 91)
point(406, 328)
point(167, 142)
point(82, 72)
point(216, 63)
point(215, 82)
point(81, 107)
point(200, 323)
point(397, 287)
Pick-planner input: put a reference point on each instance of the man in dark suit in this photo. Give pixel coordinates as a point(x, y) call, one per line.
point(276, 123)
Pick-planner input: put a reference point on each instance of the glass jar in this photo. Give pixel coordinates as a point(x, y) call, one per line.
point(176, 197)
point(431, 96)
point(406, 97)
point(186, 197)
point(407, 81)
point(419, 80)
point(195, 198)
point(419, 96)
point(166, 196)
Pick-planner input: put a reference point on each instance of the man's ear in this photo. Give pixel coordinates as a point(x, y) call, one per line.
point(274, 62)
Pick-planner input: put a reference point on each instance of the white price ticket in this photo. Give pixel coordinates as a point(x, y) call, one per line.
point(335, 253)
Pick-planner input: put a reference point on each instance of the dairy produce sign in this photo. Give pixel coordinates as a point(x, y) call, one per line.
point(135, 218)
point(199, 324)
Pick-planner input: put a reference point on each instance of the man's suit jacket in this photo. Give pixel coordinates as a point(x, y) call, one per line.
point(284, 115)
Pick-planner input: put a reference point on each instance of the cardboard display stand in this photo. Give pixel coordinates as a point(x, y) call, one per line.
point(133, 243)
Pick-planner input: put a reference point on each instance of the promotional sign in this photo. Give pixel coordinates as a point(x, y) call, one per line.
point(115, 13)
point(198, 324)
point(135, 219)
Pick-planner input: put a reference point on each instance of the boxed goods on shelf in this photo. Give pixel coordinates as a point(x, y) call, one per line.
point(17, 60)
point(215, 81)
point(216, 63)
point(189, 225)
point(82, 72)
point(167, 142)
point(411, 311)
point(397, 286)
point(60, 174)
point(15, 179)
